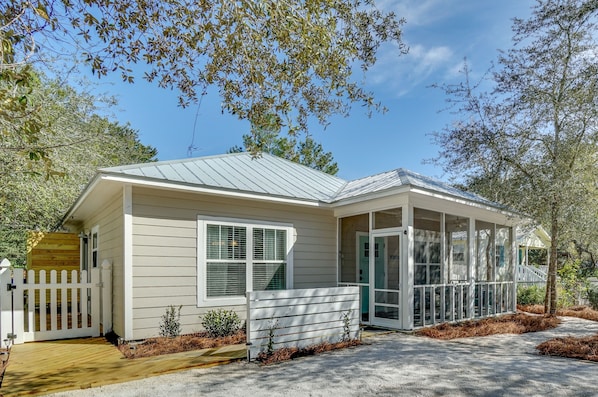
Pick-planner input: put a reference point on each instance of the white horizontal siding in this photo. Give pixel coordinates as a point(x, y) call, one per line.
point(109, 218)
point(299, 318)
point(165, 250)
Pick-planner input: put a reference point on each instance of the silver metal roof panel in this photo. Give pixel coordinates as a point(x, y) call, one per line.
point(274, 176)
point(268, 175)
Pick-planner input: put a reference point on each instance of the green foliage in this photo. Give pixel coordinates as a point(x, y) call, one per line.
point(35, 195)
point(572, 283)
point(530, 295)
point(170, 324)
point(292, 58)
point(271, 334)
point(221, 322)
point(266, 139)
point(531, 142)
point(346, 317)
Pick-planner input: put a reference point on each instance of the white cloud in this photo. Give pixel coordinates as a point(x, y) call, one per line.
point(422, 12)
point(401, 74)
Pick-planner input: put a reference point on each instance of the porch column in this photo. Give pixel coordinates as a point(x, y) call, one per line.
point(407, 279)
point(471, 268)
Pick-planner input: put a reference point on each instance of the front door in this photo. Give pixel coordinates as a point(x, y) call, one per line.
point(385, 305)
point(377, 256)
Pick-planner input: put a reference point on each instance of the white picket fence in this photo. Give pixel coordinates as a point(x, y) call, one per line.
point(301, 317)
point(33, 309)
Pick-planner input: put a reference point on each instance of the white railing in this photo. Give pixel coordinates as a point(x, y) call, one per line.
point(439, 303)
point(531, 274)
point(494, 297)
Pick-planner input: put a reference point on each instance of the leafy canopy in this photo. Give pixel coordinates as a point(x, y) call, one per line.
point(295, 59)
point(78, 140)
point(532, 142)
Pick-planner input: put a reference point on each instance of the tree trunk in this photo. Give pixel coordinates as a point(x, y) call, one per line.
point(550, 300)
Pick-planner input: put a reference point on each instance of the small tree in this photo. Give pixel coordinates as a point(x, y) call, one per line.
point(170, 324)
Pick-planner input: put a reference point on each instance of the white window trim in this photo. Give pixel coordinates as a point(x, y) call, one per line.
point(202, 221)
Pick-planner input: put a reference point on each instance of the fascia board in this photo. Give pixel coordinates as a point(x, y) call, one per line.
point(470, 203)
point(211, 191)
point(371, 196)
point(84, 194)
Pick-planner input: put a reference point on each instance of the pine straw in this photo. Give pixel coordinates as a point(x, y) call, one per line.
point(508, 324)
point(585, 348)
point(290, 353)
point(161, 345)
point(584, 312)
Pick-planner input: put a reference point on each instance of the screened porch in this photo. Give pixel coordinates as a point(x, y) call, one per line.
point(418, 267)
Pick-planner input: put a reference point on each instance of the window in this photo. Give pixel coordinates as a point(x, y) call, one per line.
point(239, 256)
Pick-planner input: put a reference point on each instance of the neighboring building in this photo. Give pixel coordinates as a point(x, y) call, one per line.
point(201, 232)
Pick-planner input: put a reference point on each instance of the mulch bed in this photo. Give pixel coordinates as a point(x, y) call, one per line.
point(584, 348)
point(518, 323)
point(290, 353)
point(161, 345)
point(575, 311)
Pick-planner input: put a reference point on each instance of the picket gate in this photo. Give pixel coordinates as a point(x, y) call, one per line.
point(40, 305)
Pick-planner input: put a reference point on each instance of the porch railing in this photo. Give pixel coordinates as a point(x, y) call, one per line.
point(439, 303)
point(527, 274)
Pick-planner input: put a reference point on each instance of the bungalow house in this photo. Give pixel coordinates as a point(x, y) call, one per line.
point(201, 232)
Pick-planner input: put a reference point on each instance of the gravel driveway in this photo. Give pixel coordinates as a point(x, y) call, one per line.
point(390, 365)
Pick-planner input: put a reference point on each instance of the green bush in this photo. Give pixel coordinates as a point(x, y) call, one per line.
point(530, 295)
point(221, 322)
point(170, 325)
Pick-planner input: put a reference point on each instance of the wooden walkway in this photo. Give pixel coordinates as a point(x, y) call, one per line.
point(47, 367)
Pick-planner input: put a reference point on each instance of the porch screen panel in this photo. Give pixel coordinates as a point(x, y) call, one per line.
point(484, 243)
point(427, 257)
point(350, 256)
point(269, 255)
point(388, 218)
point(427, 247)
point(226, 250)
point(504, 262)
point(456, 253)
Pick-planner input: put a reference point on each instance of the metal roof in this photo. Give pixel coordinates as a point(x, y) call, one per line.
point(265, 175)
point(402, 177)
point(274, 176)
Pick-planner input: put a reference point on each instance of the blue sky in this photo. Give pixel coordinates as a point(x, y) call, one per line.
point(440, 33)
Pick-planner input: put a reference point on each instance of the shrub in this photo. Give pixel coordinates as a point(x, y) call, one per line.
point(530, 295)
point(170, 325)
point(221, 322)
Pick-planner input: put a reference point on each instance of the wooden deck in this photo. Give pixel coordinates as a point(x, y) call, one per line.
point(47, 367)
